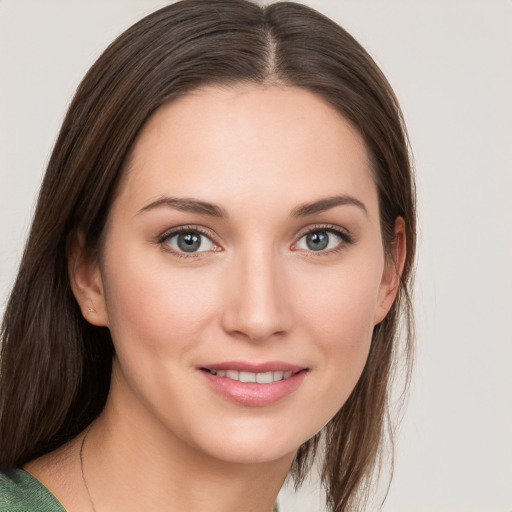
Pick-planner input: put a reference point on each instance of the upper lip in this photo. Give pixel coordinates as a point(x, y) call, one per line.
point(243, 366)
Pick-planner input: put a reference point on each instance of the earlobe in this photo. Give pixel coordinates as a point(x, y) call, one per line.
point(391, 276)
point(85, 280)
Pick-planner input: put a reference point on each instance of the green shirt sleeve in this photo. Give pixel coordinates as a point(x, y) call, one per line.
point(21, 492)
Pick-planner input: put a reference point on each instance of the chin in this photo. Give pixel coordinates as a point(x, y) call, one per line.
point(256, 444)
point(251, 453)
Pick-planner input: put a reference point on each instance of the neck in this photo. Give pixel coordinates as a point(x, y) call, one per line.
point(133, 464)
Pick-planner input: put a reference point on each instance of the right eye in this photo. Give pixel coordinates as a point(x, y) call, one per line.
point(189, 241)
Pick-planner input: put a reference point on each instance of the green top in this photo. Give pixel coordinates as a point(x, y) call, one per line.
point(21, 492)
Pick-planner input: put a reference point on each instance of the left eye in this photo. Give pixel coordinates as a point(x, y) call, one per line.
point(320, 240)
point(190, 241)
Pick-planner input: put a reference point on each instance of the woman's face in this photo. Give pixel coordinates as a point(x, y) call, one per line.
point(244, 245)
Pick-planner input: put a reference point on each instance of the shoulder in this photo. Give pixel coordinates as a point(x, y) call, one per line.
point(21, 492)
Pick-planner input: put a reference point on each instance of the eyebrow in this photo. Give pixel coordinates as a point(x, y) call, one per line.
point(213, 210)
point(187, 205)
point(327, 203)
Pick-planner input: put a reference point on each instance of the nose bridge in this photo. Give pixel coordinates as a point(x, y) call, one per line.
point(256, 306)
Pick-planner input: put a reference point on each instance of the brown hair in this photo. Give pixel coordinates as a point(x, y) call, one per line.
point(55, 367)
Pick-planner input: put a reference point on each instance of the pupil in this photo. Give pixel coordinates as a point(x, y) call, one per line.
point(317, 241)
point(189, 242)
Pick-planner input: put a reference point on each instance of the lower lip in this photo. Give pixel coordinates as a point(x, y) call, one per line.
point(252, 394)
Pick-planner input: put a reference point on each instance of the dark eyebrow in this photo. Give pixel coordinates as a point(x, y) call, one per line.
point(187, 205)
point(326, 204)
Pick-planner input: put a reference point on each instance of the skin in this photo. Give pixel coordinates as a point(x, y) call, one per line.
point(256, 293)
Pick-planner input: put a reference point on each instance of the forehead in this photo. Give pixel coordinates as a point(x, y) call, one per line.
point(248, 143)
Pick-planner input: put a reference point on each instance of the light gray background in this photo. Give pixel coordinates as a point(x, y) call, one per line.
point(450, 64)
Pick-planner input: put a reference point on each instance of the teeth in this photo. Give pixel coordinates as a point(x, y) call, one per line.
point(233, 374)
point(260, 378)
point(264, 378)
point(247, 377)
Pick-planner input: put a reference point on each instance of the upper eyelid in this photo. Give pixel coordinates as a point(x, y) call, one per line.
point(325, 227)
point(168, 233)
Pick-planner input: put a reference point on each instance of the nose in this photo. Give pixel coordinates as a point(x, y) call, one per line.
point(256, 306)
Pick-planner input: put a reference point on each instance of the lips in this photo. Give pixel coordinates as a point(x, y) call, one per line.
point(254, 384)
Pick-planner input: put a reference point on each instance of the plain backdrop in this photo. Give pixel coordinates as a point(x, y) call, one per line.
point(450, 64)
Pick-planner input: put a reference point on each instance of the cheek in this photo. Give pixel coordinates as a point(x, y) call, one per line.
point(341, 305)
point(338, 312)
point(151, 302)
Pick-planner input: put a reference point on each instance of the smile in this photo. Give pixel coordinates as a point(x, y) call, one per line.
point(254, 385)
point(259, 378)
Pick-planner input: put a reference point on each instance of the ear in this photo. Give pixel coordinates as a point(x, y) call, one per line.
point(86, 282)
point(392, 273)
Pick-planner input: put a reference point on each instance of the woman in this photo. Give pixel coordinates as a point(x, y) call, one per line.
point(211, 289)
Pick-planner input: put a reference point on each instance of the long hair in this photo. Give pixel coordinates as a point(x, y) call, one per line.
point(55, 367)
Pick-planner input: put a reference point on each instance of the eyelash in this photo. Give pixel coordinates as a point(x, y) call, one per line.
point(163, 240)
point(345, 236)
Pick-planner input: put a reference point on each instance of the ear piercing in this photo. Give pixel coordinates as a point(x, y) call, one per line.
point(91, 310)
